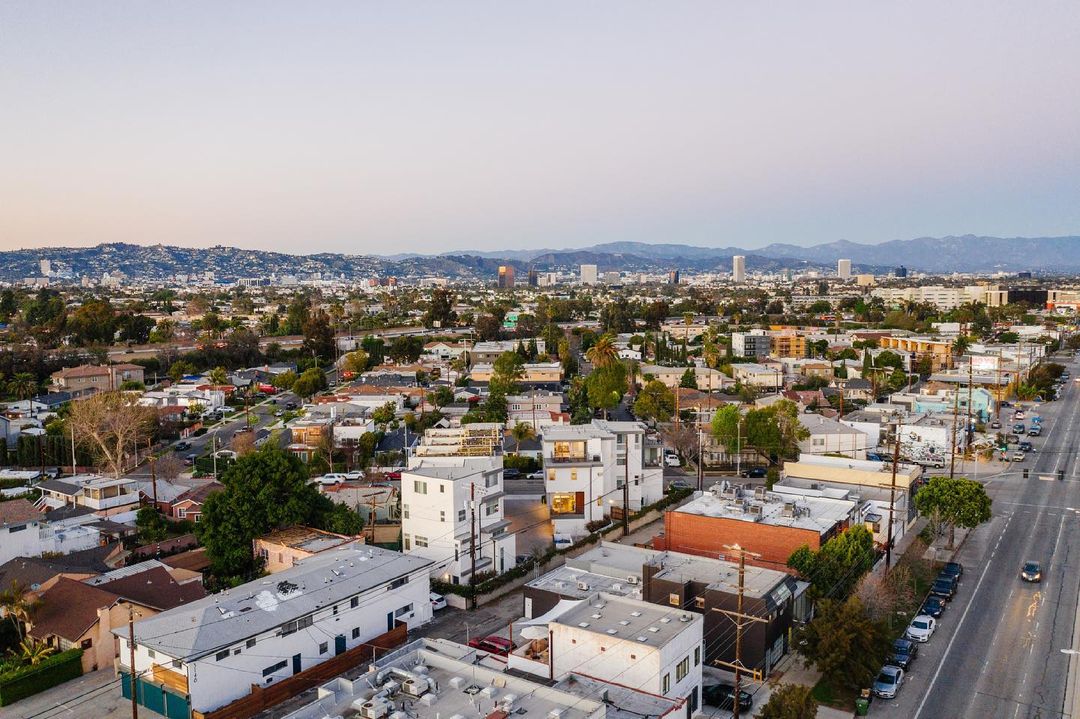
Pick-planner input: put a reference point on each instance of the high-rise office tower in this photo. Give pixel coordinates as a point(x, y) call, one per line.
point(588, 274)
point(506, 276)
point(738, 268)
point(843, 269)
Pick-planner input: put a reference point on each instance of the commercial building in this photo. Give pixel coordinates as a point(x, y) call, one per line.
point(506, 277)
point(217, 650)
point(738, 268)
point(452, 513)
point(588, 275)
point(766, 523)
point(843, 269)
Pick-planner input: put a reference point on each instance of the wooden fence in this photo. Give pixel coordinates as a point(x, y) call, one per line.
point(262, 698)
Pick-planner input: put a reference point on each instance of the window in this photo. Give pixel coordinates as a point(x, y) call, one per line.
point(86, 643)
point(442, 515)
point(223, 654)
point(408, 542)
point(400, 582)
point(565, 503)
point(420, 541)
point(442, 489)
point(682, 669)
point(250, 643)
point(151, 653)
point(404, 511)
point(419, 487)
point(323, 648)
point(177, 664)
point(294, 626)
point(573, 475)
point(699, 602)
point(665, 684)
point(407, 609)
point(461, 515)
point(551, 475)
point(274, 667)
point(181, 513)
point(491, 480)
point(674, 600)
point(16, 528)
point(335, 610)
point(356, 633)
point(491, 508)
point(697, 656)
point(354, 602)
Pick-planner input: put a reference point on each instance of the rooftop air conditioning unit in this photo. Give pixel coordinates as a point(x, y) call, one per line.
point(760, 493)
point(583, 586)
point(789, 509)
point(415, 687)
point(374, 709)
point(632, 579)
point(755, 509)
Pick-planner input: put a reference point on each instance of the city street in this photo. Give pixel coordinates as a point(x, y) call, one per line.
point(998, 648)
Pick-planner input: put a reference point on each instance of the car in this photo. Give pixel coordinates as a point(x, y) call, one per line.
point(354, 474)
point(755, 473)
point(493, 645)
point(672, 460)
point(943, 587)
point(995, 425)
point(1004, 403)
point(511, 473)
point(332, 478)
point(279, 413)
point(1031, 572)
point(1026, 446)
point(932, 462)
point(1019, 428)
point(190, 459)
point(903, 653)
point(1019, 456)
point(921, 629)
point(1035, 432)
point(953, 569)
point(393, 475)
point(678, 484)
point(438, 601)
point(888, 682)
point(182, 446)
point(1019, 414)
point(1012, 438)
point(563, 541)
point(933, 606)
point(539, 474)
point(290, 405)
point(723, 696)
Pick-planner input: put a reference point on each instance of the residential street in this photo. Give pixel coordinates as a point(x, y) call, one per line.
point(997, 652)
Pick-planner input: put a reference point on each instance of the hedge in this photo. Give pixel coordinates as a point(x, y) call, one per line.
point(31, 679)
point(489, 585)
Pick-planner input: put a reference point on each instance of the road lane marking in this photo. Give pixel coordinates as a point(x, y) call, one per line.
point(959, 625)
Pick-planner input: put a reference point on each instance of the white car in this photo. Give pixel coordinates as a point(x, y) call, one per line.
point(333, 478)
point(355, 474)
point(563, 541)
point(672, 460)
point(921, 629)
point(438, 601)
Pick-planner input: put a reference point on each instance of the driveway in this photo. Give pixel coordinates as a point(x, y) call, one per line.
point(96, 695)
point(530, 520)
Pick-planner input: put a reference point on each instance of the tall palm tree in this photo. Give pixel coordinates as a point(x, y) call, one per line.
point(19, 605)
point(603, 353)
point(521, 431)
point(23, 385)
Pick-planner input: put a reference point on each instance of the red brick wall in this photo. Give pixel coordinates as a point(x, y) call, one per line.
point(706, 536)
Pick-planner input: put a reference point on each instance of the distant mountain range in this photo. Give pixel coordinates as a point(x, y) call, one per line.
point(928, 254)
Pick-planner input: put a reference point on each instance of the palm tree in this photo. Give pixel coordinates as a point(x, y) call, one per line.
point(219, 376)
point(521, 431)
point(23, 385)
point(603, 353)
point(19, 605)
point(34, 651)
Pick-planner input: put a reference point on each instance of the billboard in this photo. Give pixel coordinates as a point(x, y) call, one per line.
point(985, 363)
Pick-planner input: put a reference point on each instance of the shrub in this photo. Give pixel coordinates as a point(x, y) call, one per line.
point(29, 679)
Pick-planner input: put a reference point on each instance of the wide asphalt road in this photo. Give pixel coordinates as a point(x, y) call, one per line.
point(997, 652)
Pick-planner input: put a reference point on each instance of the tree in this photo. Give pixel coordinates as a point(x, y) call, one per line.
point(689, 379)
point(837, 567)
point(606, 386)
point(218, 376)
point(441, 396)
point(790, 701)
point(284, 380)
point(311, 381)
point(23, 385)
point(151, 525)
point(355, 362)
point(958, 501)
point(265, 490)
point(342, 520)
point(243, 443)
point(112, 424)
point(566, 356)
point(168, 466)
point(655, 402)
point(845, 644)
point(521, 431)
point(603, 353)
point(726, 428)
point(19, 605)
point(384, 415)
point(33, 651)
point(508, 368)
point(405, 350)
point(440, 309)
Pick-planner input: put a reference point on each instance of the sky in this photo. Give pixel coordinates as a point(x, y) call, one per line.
point(389, 127)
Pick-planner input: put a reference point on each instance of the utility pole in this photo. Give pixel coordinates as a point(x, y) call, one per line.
point(968, 434)
point(472, 535)
point(892, 495)
point(741, 620)
point(72, 451)
point(213, 453)
point(626, 490)
point(131, 647)
point(952, 439)
point(153, 474)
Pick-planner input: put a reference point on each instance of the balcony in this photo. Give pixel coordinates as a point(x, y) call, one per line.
point(574, 459)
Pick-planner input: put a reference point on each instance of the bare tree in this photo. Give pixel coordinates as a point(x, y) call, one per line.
point(877, 596)
point(169, 466)
point(111, 424)
point(683, 438)
point(243, 443)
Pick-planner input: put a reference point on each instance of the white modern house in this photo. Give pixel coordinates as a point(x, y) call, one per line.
point(452, 514)
point(830, 436)
point(586, 466)
point(105, 496)
point(217, 649)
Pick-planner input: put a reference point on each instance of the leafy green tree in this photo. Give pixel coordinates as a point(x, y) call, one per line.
point(355, 362)
point(265, 490)
point(440, 311)
point(384, 415)
point(284, 380)
point(957, 501)
point(689, 379)
point(318, 335)
point(405, 350)
point(836, 568)
point(219, 376)
point(603, 353)
point(23, 385)
point(606, 386)
point(790, 701)
point(342, 520)
point(726, 428)
point(508, 368)
point(655, 402)
point(151, 525)
point(441, 396)
point(845, 644)
point(311, 381)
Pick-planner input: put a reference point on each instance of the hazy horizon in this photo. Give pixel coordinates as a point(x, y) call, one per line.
point(366, 128)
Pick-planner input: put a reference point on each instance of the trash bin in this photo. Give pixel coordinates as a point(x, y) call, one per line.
point(862, 707)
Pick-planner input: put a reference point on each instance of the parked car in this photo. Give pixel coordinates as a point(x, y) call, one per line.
point(888, 682)
point(438, 601)
point(755, 473)
point(672, 460)
point(393, 475)
point(953, 569)
point(333, 478)
point(511, 473)
point(182, 446)
point(493, 645)
point(538, 474)
point(1031, 572)
point(279, 413)
point(190, 459)
point(563, 541)
point(995, 425)
point(1019, 456)
point(354, 474)
point(723, 696)
point(903, 653)
point(933, 606)
point(921, 629)
point(943, 587)
point(678, 484)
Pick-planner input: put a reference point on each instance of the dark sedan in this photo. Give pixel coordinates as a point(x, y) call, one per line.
point(722, 695)
point(953, 569)
point(903, 653)
point(933, 606)
point(943, 587)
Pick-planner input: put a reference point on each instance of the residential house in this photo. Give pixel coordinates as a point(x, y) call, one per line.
point(488, 352)
point(708, 379)
point(830, 436)
point(274, 628)
point(285, 548)
point(307, 436)
point(445, 351)
point(188, 505)
point(758, 375)
point(105, 496)
point(538, 409)
point(88, 379)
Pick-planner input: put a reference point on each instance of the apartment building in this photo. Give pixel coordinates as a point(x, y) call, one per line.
point(751, 344)
point(942, 297)
point(586, 466)
point(538, 409)
point(452, 513)
point(707, 378)
point(787, 343)
point(479, 439)
point(487, 352)
point(104, 496)
point(287, 547)
point(216, 650)
point(938, 350)
point(88, 379)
